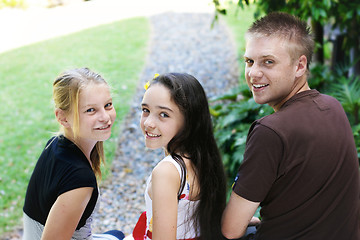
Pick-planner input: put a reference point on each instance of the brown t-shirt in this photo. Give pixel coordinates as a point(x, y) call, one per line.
point(301, 164)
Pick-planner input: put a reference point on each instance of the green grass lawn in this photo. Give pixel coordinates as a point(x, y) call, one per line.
point(117, 51)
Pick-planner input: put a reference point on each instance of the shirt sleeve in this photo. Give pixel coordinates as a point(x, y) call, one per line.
point(259, 169)
point(74, 178)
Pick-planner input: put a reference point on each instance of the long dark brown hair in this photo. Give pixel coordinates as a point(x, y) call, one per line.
point(196, 141)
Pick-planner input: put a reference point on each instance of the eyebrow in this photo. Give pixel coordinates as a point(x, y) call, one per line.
point(264, 56)
point(161, 107)
point(268, 56)
point(95, 104)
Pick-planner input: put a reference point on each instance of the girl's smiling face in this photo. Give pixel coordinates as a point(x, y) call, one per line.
point(161, 118)
point(96, 113)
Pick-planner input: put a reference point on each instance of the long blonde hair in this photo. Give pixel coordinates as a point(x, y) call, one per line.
point(66, 90)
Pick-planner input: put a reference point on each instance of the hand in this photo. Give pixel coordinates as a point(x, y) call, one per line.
point(254, 221)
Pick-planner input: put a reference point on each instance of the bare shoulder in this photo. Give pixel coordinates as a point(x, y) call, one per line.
point(166, 170)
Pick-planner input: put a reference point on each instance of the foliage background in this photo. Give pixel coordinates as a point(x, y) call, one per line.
point(330, 73)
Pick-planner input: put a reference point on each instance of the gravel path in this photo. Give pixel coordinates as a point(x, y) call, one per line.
point(180, 42)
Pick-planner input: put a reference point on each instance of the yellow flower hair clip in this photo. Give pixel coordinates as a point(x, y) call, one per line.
point(147, 85)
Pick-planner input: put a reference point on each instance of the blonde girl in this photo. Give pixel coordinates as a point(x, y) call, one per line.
point(63, 193)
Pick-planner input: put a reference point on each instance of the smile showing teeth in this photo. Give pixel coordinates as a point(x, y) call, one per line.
point(260, 85)
point(105, 127)
point(152, 135)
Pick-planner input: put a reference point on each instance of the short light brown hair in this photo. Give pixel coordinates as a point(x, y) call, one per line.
point(287, 27)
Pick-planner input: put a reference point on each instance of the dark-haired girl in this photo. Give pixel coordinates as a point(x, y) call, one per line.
point(185, 194)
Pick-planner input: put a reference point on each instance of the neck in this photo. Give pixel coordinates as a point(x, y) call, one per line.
point(301, 87)
point(86, 146)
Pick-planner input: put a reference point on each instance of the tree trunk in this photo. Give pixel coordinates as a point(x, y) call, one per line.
point(318, 30)
point(355, 50)
point(338, 54)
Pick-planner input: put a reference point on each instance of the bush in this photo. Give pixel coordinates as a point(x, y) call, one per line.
point(233, 114)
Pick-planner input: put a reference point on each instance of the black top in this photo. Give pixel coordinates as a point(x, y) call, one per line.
point(61, 167)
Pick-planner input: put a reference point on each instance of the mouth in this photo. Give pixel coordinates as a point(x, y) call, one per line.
point(103, 127)
point(152, 135)
point(259, 86)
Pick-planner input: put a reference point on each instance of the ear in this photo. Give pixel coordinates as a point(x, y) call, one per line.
point(301, 68)
point(62, 117)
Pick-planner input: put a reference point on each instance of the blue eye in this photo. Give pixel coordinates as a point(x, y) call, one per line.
point(109, 105)
point(90, 110)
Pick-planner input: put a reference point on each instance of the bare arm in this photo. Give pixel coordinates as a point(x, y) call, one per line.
point(165, 186)
point(65, 214)
point(237, 216)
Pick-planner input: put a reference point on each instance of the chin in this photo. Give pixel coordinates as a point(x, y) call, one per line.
point(104, 138)
point(260, 101)
point(152, 146)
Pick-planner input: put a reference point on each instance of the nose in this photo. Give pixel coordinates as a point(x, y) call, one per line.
point(149, 122)
point(104, 116)
point(254, 71)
